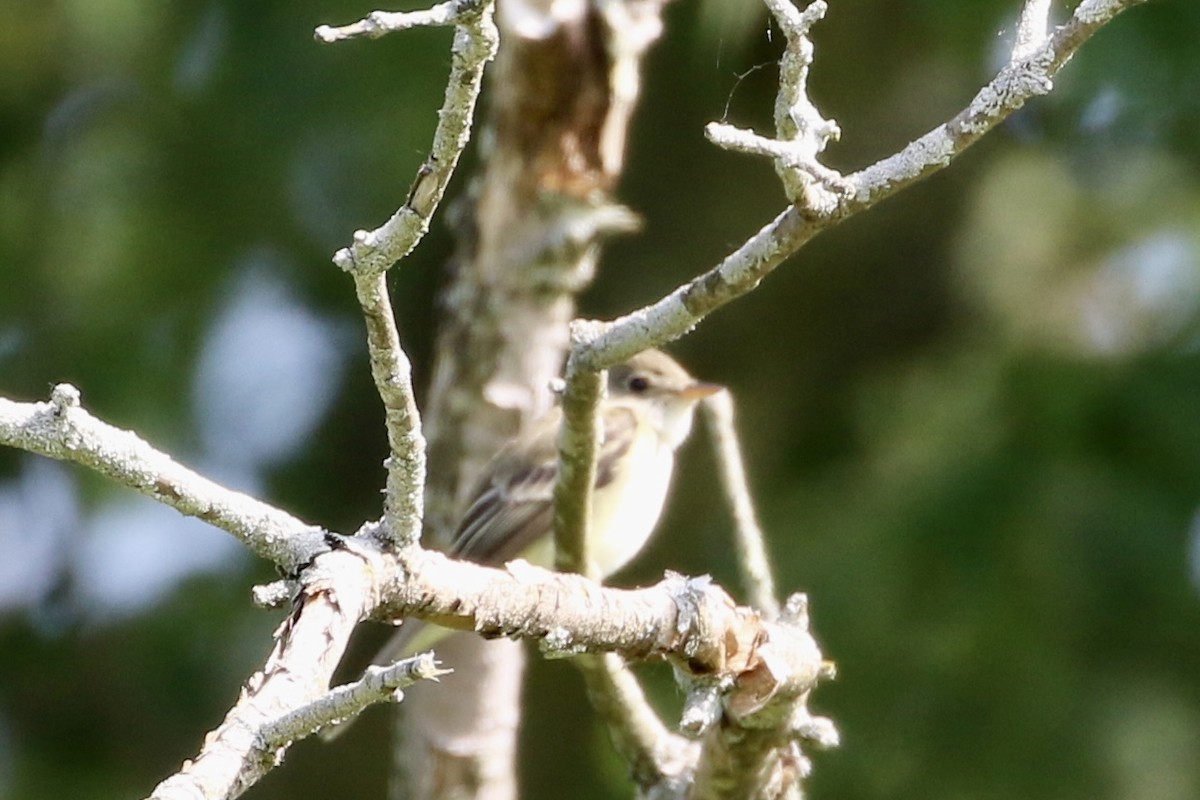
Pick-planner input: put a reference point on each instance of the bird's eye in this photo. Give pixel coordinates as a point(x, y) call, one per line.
point(638, 384)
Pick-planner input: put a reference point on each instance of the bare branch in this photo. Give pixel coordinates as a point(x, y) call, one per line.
point(339, 587)
point(654, 754)
point(63, 429)
point(1019, 81)
point(373, 253)
point(802, 133)
point(756, 751)
point(1032, 28)
point(576, 470)
point(381, 23)
point(750, 542)
point(792, 155)
point(475, 41)
point(797, 119)
point(688, 620)
point(403, 505)
point(377, 685)
point(606, 344)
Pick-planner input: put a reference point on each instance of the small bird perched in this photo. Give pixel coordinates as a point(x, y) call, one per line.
point(645, 416)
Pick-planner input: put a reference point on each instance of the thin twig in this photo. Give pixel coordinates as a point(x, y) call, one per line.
point(797, 119)
point(1019, 81)
point(381, 23)
point(377, 685)
point(63, 429)
point(792, 155)
point(751, 544)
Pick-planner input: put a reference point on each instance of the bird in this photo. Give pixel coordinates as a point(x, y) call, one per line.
point(645, 415)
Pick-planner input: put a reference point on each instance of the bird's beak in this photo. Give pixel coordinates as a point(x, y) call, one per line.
point(700, 390)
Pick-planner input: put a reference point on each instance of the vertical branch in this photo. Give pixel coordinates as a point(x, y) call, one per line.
point(374, 252)
point(403, 505)
point(755, 749)
point(797, 119)
point(578, 444)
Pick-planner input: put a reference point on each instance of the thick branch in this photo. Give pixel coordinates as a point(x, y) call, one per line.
point(754, 750)
point(691, 621)
point(63, 429)
point(338, 589)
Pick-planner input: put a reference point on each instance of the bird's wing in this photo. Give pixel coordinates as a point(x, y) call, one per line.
point(514, 504)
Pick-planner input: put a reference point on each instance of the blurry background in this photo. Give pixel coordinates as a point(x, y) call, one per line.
point(972, 415)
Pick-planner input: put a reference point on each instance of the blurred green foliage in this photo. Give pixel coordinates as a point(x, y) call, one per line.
point(972, 415)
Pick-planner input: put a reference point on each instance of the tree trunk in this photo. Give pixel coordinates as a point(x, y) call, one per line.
point(561, 94)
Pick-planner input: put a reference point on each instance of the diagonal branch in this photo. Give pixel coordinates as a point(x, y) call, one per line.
point(655, 755)
point(604, 344)
point(475, 42)
point(377, 685)
point(63, 429)
point(748, 535)
point(1022, 79)
point(310, 642)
